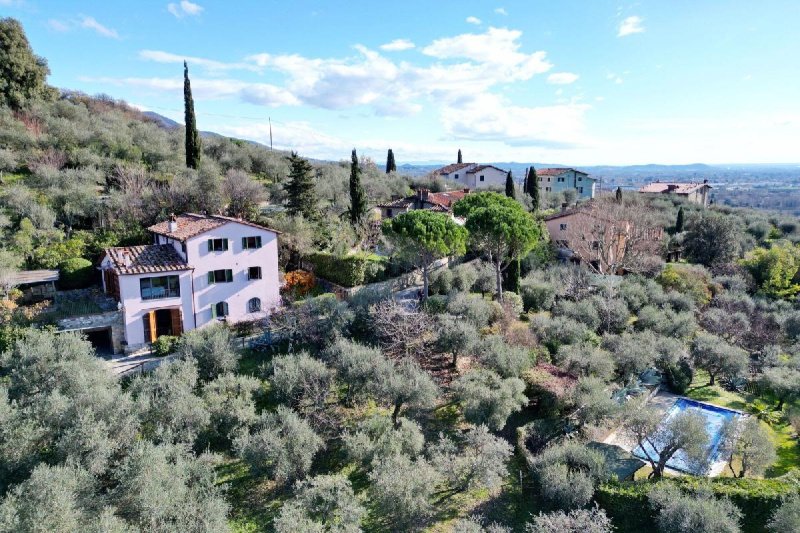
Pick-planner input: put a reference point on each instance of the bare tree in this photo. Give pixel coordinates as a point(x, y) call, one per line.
point(612, 236)
point(242, 193)
point(401, 333)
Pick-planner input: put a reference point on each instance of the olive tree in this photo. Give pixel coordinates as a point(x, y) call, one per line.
point(230, 400)
point(480, 461)
point(567, 474)
point(787, 516)
point(488, 398)
point(455, 336)
point(376, 437)
point(281, 445)
point(301, 381)
point(357, 366)
point(661, 440)
point(689, 513)
point(745, 439)
point(592, 520)
point(500, 228)
point(212, 349)
point(507, 360)
point(323, 503)
point(716, 356)
point(401, 384)
point(424, 236)
point(401, 489)
point(783, 382)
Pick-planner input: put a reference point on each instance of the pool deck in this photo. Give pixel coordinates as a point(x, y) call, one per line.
point(663, 401)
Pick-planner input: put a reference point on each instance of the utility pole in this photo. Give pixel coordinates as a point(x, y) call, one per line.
point(270, 133)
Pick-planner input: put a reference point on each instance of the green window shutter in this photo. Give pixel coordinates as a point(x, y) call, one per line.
point(258, 241)
point(210, 245)
point(211, 277)
point(213, 310)
point(244, 243)
point(225, 308)
point(229, 275)
point(225, 244)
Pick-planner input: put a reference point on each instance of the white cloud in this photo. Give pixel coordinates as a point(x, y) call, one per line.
point(92, 24)
point(630, 25)
point(397, 45)
point(614, 77)
point(58, 25)
point(184, 8)
point(473, 20)
point(210, 65)
point(562, 78)
point(501, 11)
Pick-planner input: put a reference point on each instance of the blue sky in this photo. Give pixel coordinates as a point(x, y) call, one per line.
point(569, 82)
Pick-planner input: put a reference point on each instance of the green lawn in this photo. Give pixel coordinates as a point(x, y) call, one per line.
point(781, 432)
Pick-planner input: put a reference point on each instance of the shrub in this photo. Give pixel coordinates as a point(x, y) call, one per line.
point(464, 277)
point(678, 376)
point(165, 345)
point(567, 474)
point(512, 303)
point(693, 280)
point(582, 311)
point(349, 270)
point(298, 282)
point(75, 273)
point(488, 398)
point(537, 295)
point(442, 282)
point(472, 307)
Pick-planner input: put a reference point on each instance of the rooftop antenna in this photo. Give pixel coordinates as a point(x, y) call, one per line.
point(270, 133)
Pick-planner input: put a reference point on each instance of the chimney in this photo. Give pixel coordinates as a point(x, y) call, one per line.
point(422, 194)
point(126, 258)
point(173, 223)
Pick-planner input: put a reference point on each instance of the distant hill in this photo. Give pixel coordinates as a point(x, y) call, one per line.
point(168, 123)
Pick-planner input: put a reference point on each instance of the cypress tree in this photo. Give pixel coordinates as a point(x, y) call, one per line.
point(459, 156)
point(510, 186)
point(618, 194)
point(533, 189)
point(390, 164)
point(679, 221)
point(192, 137)
point(525, 182)
point(358, 198)
point(302, 199)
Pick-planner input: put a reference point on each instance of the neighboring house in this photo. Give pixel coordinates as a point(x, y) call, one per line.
point(423, 199)
point(199, 270)
point(697, 193)
point(36, 285)
point(607, 245)
point(556, 180)
point(473, 175)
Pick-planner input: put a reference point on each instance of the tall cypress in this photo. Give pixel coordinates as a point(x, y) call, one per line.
point(302, 198)
point(525, 182)
point(192, 137)
point(679, 221)
point(510, 192)
point(533, 188)
point(358, 198)
point(390, 164)
point(618, 194)
point(460, 160)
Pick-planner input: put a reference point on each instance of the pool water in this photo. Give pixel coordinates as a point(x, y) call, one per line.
point(715, 418)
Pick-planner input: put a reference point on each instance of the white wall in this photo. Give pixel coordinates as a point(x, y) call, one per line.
point(492, 178)
point(134, 308)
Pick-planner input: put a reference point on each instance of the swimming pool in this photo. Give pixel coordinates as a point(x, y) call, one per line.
point(715, 417)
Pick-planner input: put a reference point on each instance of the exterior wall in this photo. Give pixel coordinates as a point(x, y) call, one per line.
point(391, 212)
point(459, 175)
point(178, 245)
point(569, 179)
point(134, 308)
point(109, 320)
point(492, 178)
point(238, 292)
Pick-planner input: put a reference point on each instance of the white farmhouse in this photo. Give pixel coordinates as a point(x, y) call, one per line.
point(474, 176)
point(200, 269)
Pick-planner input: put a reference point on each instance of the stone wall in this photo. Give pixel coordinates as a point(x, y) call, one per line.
point(109, 319)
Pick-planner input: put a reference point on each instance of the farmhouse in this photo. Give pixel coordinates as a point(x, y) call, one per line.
point(200, 269)
point(474, 175)
point(423, 199)
point(556, 180)
point(697, 193)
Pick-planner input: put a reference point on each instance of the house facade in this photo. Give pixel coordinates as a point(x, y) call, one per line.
point(697, 193)
point(474, 175)
point(199, 270)
point(556, 180)
point(441, 202)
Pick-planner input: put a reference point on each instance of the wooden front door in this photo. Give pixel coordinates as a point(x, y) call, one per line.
point(160, 322)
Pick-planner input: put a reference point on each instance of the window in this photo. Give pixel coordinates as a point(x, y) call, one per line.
point(253, 305)
point(482, 177)
point(389, 213)
point(217, 245)
point(220, 276)
point(547, 189)
point(562, 227)
point(548, 180)
point(455, 177)
point(159, 287)
point(560, 180)
point(580, 178)
point(580, 190)
point(219, 310)
point(541, 179)
point(254, 273)
point(251, 243)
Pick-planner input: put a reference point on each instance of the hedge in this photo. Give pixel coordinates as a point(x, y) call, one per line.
point(627, 504)
point(349, 270)
point(76, 273)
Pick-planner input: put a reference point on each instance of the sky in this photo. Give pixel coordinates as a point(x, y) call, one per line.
point(565, 82)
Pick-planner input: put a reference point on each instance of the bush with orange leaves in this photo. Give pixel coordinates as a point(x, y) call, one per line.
point(298, 282)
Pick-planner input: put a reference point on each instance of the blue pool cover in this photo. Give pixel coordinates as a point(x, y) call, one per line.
point(715, 418)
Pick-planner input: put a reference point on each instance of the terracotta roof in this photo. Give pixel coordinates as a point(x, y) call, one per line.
point(145, 259)
point(565, 213)
point(446, 199)
point(191, 224)
point(452, 168)
point(481, 167)
point(671, 187)
point(556, 171)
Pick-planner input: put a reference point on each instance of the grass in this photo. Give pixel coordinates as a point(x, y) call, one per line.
point(780, 431)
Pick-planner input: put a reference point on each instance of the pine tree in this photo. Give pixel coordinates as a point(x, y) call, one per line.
point(679, 221)
point(533, 189)
point(460, 160)
point(192, 137)
point(618, 194)
point(510, 186)
point(358, 198)
point(302, 199)
point(390, 164)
